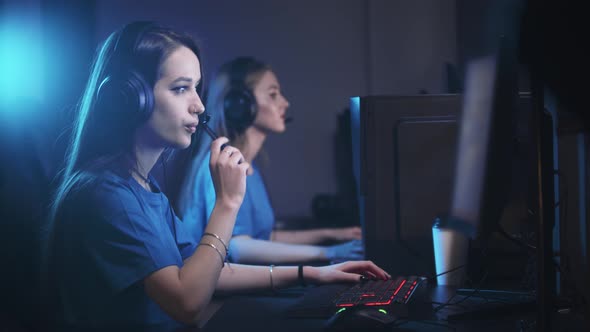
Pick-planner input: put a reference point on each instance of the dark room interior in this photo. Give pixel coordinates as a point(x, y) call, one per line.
point(379, 93)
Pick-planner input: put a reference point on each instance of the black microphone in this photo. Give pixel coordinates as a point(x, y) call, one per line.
point(204, 118)
point(288, 119)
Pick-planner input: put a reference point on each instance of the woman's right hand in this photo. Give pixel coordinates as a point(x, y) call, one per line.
point(344, 272)
point(228, 170)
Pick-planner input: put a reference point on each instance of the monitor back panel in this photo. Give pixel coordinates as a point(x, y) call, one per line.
point(408, 147)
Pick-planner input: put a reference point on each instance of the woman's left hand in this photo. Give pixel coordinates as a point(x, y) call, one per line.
point(344, 272)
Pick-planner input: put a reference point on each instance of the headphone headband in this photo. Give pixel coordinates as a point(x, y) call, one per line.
point(241, 67)
point(239, 103)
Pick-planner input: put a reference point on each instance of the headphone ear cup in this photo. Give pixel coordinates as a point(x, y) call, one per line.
point(140, 94)
point(240, 109)
point(129, 93)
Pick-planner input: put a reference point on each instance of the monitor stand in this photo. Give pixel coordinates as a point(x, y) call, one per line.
point(504, 303)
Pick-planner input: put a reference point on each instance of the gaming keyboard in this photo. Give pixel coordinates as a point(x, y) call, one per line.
point(398, 292)
point(379, 292)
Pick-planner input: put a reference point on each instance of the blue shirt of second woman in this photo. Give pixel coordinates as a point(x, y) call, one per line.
point(255, 217)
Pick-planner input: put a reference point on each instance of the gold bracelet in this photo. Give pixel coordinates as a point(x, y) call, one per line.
point(220, 240)
point(272, 286)
point(214, 247)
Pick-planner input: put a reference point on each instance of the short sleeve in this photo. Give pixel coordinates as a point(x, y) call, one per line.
point(196, 214)
point(129, 238)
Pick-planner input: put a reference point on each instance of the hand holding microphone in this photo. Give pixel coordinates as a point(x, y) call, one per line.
point(228, 173)
point(203, 120)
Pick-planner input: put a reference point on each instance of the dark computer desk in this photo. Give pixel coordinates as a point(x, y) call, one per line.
point(269, 313)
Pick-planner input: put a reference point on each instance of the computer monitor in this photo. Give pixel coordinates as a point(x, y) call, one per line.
point(404, 150)
point(484, 153)
point(355, 144)
point(482, 177)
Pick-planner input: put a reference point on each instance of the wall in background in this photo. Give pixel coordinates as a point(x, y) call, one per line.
point(323, 53)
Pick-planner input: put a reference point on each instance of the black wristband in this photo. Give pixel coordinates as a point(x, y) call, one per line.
point(300, 276)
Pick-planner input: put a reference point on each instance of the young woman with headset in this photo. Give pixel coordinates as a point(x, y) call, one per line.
point(117, 256)
point(245, 103)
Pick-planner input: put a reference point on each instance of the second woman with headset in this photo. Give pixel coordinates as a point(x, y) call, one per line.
point(246, 105)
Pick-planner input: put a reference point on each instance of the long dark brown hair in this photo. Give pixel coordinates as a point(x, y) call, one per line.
point(102, 136)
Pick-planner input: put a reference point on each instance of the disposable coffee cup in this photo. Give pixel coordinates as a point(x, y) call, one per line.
point(450, 254)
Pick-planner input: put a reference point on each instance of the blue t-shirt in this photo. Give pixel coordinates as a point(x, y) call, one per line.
point(195, 214)
point(255, 217)
point(109, 236)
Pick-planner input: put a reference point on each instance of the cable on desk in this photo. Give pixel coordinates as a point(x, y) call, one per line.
point(516, 241)
point(401, 322)
point(433, 277)
point(449, 304)
point(475, 290)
